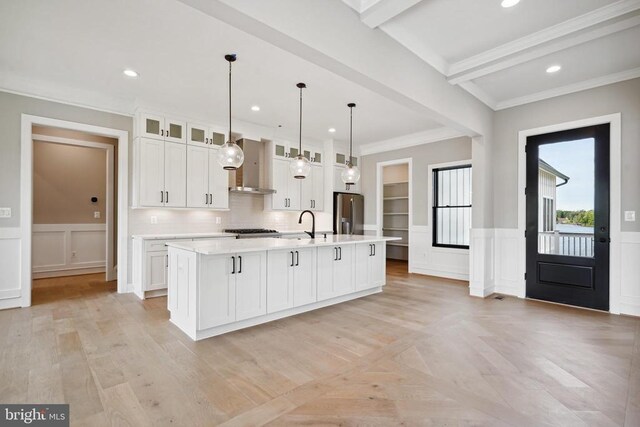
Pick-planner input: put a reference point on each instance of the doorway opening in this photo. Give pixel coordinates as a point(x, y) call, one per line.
point(74, 217)
point(396, 213)
point(568, 216)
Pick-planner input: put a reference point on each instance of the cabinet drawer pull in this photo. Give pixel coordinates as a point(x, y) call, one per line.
point(240, 268)
point(233, 260)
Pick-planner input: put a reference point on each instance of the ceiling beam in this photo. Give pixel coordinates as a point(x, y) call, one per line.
point(411, 140)
point(385, 10)
point(552, 39)
point(352, 51)
point(546, 49)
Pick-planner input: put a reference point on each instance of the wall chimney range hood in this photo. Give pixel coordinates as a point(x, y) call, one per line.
point(250, 176)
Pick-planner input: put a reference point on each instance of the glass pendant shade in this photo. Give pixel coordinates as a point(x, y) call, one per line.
point(350, 174)
point(300, 167)
point(230, 156)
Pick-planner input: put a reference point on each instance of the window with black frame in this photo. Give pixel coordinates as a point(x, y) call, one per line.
point(452, 206)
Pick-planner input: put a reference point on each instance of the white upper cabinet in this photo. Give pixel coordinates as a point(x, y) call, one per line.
point(159, 127)
point(218, 183)
point(160, 170)
point(203, 135)
point(207, 182)
point(312, 195)
point(287, 195)
point(339, 185)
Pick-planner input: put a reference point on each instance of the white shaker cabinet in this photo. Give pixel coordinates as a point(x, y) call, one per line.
point(370, 265)
point(159, 173)
point(251, 285)
point(291, 279)
point(161, 128)
point(287, 195)
point(312, 194)
point(335, 271)
point(204, 136)
point(207, 181)
point(218, 183)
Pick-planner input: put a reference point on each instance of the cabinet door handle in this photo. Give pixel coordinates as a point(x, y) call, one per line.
point(161, 132)
point(291, 252)
point(210, 198)
point(240, 268)
point(297, 258)
point(167, 261)
point(339, 253)
point(167, 197)
point(374, 249)
point(162, 197)
point(206, 140)
point(370, 250)
point(335, 254)
point(206, 199)
point(233, 259)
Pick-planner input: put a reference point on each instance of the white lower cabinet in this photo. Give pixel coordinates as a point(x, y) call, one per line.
point(370, 265)
point(232, 288)
point(335, 271)
point(291, 279)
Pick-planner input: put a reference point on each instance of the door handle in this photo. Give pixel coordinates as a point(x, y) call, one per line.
point(240, 268)
point(605, 240)
point(291, 252)
point(297, 258)
point(233, 259)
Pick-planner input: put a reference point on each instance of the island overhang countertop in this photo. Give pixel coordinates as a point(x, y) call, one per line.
point(228, 246)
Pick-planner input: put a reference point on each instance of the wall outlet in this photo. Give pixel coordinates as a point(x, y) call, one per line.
point(96, 215)
point(154, 219)
point(5, 212)
point(218, 220)
point(630, 216)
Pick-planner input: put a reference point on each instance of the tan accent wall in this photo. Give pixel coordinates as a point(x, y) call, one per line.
point(65, 177)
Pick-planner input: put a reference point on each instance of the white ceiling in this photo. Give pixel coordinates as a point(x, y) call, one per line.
point(75, 50)
point(500, 54)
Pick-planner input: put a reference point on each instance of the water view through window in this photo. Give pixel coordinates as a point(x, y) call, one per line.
point(566, 182)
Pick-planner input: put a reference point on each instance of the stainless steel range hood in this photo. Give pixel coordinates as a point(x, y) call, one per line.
point(249, 178)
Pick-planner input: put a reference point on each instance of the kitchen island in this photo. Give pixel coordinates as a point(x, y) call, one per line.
point(221, 286)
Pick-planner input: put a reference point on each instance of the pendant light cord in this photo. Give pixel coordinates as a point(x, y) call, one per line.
point(350, 135)
point(230, 101)
point(300, 134)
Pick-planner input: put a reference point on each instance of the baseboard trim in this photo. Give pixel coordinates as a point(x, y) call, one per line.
point(439, 273)
point(70, 272)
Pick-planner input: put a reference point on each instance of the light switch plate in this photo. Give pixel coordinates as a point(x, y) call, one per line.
point(218, 220)
point(5, 212)
point(630, 216)
point(154, 219)
point(96, 215)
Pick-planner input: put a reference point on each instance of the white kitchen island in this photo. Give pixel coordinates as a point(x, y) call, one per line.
point(225, 285)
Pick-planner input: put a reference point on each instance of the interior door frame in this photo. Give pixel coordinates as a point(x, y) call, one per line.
point(26, 196)
point(110, 271)
point(615, 189)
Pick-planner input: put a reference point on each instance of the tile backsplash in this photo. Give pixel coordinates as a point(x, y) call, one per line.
point(245, 211)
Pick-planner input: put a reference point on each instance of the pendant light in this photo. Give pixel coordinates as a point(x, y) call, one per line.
point(350, 174)
point(300, 166)
point(230, 155)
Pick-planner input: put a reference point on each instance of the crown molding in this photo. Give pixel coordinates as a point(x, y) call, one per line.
point(411, 140)
point(546, 35)
point(572, 88)
point(547, 49)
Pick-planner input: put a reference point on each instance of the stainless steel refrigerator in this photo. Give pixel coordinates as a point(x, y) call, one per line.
point(348, 213)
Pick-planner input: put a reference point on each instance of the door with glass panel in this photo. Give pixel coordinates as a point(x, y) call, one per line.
point(568, 217)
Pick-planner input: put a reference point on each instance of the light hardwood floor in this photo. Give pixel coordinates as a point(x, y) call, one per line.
point(421, 353)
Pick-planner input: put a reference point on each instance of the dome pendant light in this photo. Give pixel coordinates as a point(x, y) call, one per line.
point(300, 166)
point(230, 155)
point(350, 174)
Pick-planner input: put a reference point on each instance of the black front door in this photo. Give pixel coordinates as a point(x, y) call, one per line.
point(568, 217)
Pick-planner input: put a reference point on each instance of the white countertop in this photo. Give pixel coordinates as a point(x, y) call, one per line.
point(170, 236)
point(226, 246)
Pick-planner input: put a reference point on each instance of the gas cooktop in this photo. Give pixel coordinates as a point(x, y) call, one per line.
point(244, 233)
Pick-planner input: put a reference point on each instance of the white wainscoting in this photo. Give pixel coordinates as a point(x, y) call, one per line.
point(10, 295)
point(629, 298)
point(68, 249)
point(482, 262)
point(434, 261)
point(509, 262)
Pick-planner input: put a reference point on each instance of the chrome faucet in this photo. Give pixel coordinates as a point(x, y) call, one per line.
point(312, 234)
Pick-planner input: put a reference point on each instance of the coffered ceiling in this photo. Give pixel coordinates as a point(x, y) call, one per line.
point(501, 55)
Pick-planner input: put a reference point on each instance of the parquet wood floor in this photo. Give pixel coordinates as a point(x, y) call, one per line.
point(421, 353)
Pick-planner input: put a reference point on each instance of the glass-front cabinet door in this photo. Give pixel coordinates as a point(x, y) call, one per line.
point(216, 137)
point(151, 126)
point(175, 130)
point(280, 150)
point(197, 134)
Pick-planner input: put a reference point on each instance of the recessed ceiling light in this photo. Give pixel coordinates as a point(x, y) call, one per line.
point(130, 73)
point(509, 3)
point(554, 69)
point(255, 108)
point(332, 130)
